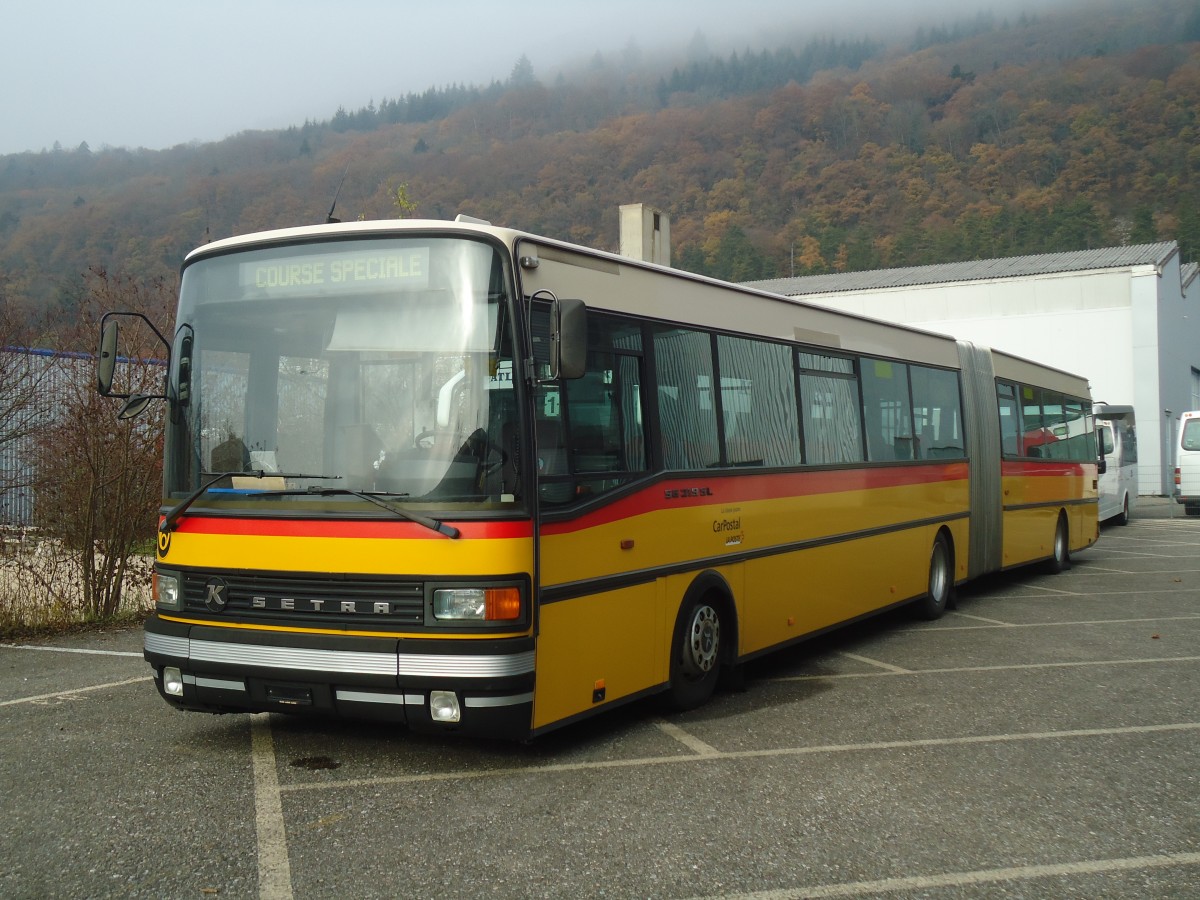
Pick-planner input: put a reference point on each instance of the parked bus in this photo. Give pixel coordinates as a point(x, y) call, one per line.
point(1117, 433)
point(1187, 463)
point(466, 478)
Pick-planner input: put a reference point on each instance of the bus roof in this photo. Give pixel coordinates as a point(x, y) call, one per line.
point(1112, 411)
point(684, 298)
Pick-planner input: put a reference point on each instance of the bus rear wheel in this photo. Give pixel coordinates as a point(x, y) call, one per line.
point(1060, 561)
point(941, 581)
point(695, 654)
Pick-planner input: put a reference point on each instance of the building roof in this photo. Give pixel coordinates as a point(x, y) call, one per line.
point(1188, 272)
point(974, 270)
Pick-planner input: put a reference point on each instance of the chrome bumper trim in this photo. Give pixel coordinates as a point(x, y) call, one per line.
point(514, 700)
point(344, 661)
point(166, 644)
point(371, 697)
point(429, 666)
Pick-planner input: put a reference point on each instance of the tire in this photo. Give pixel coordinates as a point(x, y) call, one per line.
point(1060, 561)
point(1191, 509)
point(941, 581)
point(696, 653)
point(1122, 518)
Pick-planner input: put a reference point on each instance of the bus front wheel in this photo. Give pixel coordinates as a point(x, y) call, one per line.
point(1123, 517)
point(695, 653)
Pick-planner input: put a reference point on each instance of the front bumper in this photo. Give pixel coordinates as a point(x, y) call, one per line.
point(389, 679)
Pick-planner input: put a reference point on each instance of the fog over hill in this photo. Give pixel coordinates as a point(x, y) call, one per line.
point(800, 150)
point(141, 73)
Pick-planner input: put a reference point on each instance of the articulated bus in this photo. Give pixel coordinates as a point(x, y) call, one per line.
point(467, 479)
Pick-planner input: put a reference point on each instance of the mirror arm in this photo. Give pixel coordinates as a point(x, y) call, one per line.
point(543, 294)
point(107, 361)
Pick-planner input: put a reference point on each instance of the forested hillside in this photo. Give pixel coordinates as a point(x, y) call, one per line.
point(965, 140)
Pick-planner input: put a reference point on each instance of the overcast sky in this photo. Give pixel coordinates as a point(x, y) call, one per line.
point(156, 73)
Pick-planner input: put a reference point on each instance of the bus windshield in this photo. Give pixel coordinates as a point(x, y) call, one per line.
point(314, 373)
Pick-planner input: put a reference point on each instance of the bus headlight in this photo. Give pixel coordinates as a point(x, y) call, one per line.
point(166, 592)
point(478, 604)
point(172, 681)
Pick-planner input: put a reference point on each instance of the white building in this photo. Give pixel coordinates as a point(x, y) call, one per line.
point(1127, 318)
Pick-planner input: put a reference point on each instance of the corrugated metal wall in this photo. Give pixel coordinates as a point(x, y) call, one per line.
point(48, 377)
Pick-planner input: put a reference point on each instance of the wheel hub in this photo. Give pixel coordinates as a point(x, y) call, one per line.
point(704, 640)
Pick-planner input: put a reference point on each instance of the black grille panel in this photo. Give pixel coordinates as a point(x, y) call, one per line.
point(312, 597)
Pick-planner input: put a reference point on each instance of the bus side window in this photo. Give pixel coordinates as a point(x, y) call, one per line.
point(684, 364)
point(1128, 444)
point(1010, 418)
point(600, 422)
point(758, 403)
point(830, 409)
point(938, 413)
point(551, 461)
point(888, 410)
point(1106, 440)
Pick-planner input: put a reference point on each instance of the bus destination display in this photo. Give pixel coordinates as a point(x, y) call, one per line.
point(352, 270)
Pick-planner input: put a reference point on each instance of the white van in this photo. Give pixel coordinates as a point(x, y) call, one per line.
point(1118, 485)
point(1187, 463)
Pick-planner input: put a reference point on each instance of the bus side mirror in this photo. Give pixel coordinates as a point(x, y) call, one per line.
point(1102, 467)
point(568, 339)
point(106, 362)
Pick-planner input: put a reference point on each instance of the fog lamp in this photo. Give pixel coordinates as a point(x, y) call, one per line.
point(443, 706)
point(172, 681)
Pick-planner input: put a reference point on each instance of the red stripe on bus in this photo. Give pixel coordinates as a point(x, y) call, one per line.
point(701, 491)
point(349, 529)
point(1043, 468)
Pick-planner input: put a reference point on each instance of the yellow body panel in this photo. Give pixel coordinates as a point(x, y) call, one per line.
point(669, 536)
point(611, 641)
point(1031, 510)
point(368, 556)
point(621, 639)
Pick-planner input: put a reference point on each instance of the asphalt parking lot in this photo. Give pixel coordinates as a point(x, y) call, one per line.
point(1043, 740)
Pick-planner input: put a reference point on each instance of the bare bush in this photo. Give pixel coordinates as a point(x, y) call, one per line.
point(40, 588)
point(97, 480)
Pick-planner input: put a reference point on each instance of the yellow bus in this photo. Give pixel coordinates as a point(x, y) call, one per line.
point(468, 479)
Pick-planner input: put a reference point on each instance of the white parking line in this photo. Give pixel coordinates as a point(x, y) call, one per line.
point(689, 740)
point(964, 879)
point(712, 754)
point(138, 655)
point(963, 615)
point(1073, 664)
point(877, 663)
point(1109, 570)
point(60, 695)
point(1056, 591)
point(274, 869)
point(1144, 621)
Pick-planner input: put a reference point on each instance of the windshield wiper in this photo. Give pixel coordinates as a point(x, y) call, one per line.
point(168, 523)
point(432, 524)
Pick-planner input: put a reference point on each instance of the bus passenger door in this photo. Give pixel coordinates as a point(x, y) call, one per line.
point(600, 619)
